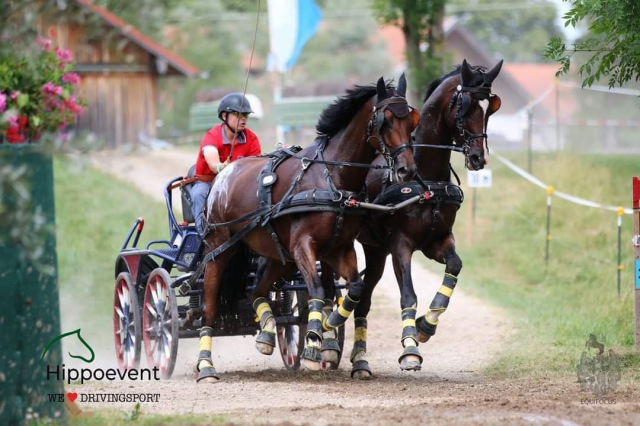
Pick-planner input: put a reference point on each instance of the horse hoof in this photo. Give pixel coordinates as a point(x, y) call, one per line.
point(423, 338)
point(208, 380)
point(411, 363)
point(361, 370)
point(361, 375)
point(332, 357)
point(311, 365)
point(264, 349)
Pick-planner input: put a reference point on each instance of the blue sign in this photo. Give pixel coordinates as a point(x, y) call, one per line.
point(637, 274)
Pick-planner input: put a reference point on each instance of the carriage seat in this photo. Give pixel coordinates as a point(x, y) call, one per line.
point(187, 206)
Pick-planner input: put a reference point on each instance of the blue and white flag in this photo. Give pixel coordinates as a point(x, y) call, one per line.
point(292, 23)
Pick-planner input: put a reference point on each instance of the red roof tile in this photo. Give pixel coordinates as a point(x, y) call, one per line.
point(129, 31)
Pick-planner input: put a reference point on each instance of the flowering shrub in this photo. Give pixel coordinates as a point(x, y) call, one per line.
point(37, 93)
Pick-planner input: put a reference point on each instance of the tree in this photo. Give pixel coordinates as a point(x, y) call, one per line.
point(613, 41)
point(517, 33)
point(421, 24)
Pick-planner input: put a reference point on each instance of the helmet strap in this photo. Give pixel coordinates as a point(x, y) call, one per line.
point(226, 123)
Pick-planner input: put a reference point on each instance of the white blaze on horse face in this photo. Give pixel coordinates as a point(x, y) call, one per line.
point(484, 104)
point(220, 188)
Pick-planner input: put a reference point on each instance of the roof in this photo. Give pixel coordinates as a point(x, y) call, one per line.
point(142, 40)
point(539, 81)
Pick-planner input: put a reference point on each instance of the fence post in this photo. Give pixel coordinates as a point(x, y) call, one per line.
point(550, 190)
point(620, 266)
point(636, 247)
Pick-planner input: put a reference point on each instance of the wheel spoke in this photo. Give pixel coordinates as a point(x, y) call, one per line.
point(152, 310)
point(119, 312)
point(121, 297)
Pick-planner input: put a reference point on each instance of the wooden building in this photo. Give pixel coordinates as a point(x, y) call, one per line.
point(119, 68)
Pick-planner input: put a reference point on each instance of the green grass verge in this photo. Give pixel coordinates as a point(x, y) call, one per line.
point(94, 212)
point(554, 307)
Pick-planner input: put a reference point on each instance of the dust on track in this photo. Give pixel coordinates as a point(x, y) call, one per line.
point(450, 388)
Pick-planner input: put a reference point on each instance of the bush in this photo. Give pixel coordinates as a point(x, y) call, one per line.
point(37, 93)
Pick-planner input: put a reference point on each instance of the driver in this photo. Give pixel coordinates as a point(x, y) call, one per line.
point(220, 146)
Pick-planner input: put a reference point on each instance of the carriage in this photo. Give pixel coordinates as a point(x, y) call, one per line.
point(155, 303)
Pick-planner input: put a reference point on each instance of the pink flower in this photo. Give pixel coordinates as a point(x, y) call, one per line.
point(64, 56)
point(13, 122)
point(71, 78)
point(3, 101)
point(51, 89)
point(45, 43)
point(14, 95)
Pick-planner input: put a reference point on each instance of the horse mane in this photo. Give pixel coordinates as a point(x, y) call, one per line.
point(340, 113)
point(456, 71)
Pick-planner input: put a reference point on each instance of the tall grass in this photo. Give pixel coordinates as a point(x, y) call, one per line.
point(554, 307)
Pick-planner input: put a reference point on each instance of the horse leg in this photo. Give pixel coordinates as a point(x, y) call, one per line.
point(212, 282)
point(330, 346)
point(410, 359)
point(346, 263)
point(445, 253)
point(305, 257)
point(375, 258)
point(268, 271)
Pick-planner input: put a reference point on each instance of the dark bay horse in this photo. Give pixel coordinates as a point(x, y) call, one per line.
point(456, 111)
point(367, 119)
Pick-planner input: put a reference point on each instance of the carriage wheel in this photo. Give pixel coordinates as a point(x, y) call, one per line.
point(127, 328)
point(160, 323)
point(291, 338)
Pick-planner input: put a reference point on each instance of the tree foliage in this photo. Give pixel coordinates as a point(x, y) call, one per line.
point(421, 24)
point(516, 34)
point(613, 41)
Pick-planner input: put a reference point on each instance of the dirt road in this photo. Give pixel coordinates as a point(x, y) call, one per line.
point(450, 388)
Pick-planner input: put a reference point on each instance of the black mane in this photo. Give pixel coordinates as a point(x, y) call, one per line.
point(456, 71)
point(340, 113)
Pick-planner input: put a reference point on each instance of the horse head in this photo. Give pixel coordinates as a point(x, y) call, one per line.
point(390, 127)
point(470, 107)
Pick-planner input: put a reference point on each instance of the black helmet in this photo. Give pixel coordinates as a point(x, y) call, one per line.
point(233, 103)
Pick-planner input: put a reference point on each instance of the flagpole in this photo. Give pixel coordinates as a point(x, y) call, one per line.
point(277, 98)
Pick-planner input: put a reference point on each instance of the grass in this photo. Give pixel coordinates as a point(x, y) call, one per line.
point(94, 212)
point(554, 307)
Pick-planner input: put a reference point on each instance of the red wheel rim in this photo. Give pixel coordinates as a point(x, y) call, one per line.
point(124, 324)
point(157, 325)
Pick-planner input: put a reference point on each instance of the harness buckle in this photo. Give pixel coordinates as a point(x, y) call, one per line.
point(426, 196)
point(305, 163)
point(351, 202)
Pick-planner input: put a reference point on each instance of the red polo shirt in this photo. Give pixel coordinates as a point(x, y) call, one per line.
point(247, 145)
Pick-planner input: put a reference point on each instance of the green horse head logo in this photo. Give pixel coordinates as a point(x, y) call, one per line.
point(77, 332)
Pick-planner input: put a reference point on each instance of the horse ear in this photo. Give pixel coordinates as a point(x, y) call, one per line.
point(402, 86)
point(494, 104)
point(466, 72)
point(493, 72)
point(382, 89)
point(415, 117)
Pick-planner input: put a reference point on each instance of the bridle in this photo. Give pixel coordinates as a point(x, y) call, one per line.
point(399, 106)
point(462, 100)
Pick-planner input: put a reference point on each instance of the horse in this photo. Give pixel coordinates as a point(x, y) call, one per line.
point(366, 119)
point(454, 117)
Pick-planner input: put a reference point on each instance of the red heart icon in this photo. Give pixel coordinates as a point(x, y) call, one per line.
point(72, 396)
